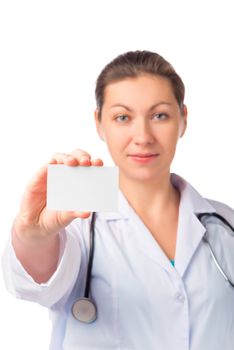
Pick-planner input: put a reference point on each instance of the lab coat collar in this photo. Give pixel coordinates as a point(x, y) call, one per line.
point(190, 199)
point(189, 232)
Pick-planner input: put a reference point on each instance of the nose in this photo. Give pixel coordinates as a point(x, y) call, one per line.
point(142, 133)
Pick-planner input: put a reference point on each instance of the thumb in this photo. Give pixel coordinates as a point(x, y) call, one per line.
point(68, 216)
point(82, 214)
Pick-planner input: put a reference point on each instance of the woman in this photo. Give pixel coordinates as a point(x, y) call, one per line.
point(153, 279)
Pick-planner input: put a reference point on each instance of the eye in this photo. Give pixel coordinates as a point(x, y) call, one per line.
point(121, 118)
point(160, 116)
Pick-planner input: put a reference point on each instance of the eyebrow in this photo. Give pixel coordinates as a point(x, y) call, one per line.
point(150, 109)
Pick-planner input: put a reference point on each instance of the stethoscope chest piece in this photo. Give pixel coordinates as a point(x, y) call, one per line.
point(84, 310)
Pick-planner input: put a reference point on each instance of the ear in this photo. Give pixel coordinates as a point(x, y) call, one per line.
point(184, 117)
point(99, 127)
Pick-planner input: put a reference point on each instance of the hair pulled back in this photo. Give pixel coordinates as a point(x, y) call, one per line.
point(133, 64)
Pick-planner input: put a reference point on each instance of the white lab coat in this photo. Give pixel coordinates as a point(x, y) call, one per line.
point(144, 303)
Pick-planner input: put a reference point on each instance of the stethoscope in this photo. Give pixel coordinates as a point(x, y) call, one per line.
point(85, 310)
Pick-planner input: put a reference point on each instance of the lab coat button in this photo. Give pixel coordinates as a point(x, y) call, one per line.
point(179, 297)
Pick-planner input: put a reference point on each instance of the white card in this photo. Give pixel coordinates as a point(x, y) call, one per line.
point(82, 188)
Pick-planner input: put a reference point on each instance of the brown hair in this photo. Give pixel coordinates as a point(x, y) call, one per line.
point(132, 64)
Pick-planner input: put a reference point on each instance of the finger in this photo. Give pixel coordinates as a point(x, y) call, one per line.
point(36, 185)
point(52, 161)
point(79, 154)
point(68, 160)
point(85, 160)
point(82, 214)
point(38, 178)
point(59, 158)
point(83, 157)
point(63, 158)
point(72, 161)
point(66, 217)
point(97, 162)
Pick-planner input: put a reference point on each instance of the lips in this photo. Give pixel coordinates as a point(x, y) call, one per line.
point(143, 158)
point(143, 155)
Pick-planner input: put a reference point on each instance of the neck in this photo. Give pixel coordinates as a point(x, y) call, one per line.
point(151, 199)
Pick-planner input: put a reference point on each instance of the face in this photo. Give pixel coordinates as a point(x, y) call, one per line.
point(141, 124)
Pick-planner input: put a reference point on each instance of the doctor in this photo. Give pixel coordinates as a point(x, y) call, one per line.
point(154, 282)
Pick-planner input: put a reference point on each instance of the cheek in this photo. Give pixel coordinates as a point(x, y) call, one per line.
point(169, 138)
point(117, 139)
point(115, 144)
point(169, 133)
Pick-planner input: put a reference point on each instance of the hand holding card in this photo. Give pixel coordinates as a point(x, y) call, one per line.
point(35, 234)
point(34, 221)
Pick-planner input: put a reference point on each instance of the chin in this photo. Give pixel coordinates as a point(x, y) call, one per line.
point(143, 174)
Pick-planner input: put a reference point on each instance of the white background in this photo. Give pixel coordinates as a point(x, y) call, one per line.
point(51, 54)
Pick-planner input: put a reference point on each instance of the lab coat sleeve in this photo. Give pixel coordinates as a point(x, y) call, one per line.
point(57, 288)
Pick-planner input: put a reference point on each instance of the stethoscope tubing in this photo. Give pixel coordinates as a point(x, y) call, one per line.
point(216, 263)
point(224, 221)
point(91, 253)
point(84, 309)
point(218, 216)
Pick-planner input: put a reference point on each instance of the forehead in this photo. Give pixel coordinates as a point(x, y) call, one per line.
point(148, 88)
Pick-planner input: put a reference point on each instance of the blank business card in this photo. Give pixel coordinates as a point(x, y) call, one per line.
point(82, 188)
